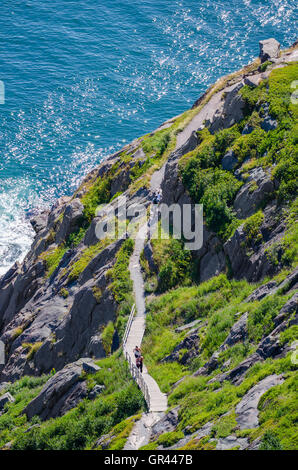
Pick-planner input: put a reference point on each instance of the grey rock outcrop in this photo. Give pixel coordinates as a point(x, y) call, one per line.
point(269, 124)
point(248, 199)
point(97, 390)
point(231, 110)
point(238, 333)
point(62, 392)
point(229, 161)
point(148, 254)
point(189, 346)
point(72, 215)
point(231, 442)
point(249, 259)
point(247, 410)
point(39, 222)
point(212, 263)
point(262, 291)
point(88, 366)
point(269, 49)
point(166, 424)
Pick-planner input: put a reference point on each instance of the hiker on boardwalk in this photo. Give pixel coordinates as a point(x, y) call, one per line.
point(157, 196)
point(137, 352)
point(139, 363)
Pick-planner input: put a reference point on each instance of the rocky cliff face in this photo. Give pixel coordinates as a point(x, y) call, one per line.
point(234, 152)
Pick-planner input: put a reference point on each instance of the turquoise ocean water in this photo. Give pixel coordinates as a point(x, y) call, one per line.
point(84, 77)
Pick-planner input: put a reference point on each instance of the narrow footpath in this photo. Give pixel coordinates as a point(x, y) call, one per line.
point(158, 402)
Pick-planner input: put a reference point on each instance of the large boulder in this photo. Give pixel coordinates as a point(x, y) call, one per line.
point(72, 216)
point(212, 264)
point(230, 111)
point(269, 49)
point(232, 442)
point(248, 198)
point(63, 386)
point(39, 221)
point(229, 161)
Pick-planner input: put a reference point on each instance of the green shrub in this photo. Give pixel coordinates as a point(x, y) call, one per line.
point(175, 267)
point(64, 293)
point(168, 439)
point(52, 257)
point(270, 441)
point(252, 227)
point(98, 193)
point(156, 144)
point(121, 282)
point(215, 189)
point(86, 257)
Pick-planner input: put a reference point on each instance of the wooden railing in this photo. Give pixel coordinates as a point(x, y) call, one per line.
point(139, 379)
point(134, 371)
point(128, 325)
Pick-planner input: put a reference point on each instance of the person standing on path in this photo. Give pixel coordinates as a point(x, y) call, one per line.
point(139, 363)
point(137, 352)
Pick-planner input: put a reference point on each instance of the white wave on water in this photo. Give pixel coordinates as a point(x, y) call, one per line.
point(16, 233)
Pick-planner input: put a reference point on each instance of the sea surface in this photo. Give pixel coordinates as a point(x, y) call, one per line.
point(84, 77)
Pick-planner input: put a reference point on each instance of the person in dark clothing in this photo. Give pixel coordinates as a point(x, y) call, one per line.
point(137, 352)
point(139, 363)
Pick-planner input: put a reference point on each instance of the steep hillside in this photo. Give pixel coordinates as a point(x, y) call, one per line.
point(221, 321)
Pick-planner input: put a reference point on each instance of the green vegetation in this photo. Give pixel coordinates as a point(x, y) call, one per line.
point(263, 67)
point(52, 257)
point(121, 284)
point(86, 257)
point(17, 332)
point(32, 349)
point(76, 237)
point(224, 426)
point(174, 263)
point(252, 228)
point(64, 293)
point(107, 337)
point(98, 193)
point(97, 292)
point(215, 301)
point(207, 183)
point(170, 438)
point(157, 143)
point(285, 250)
point(218, 304)
point(270, 441)
point(81, 427)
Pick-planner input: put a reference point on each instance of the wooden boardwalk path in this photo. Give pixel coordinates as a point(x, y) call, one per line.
point(156, 400)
